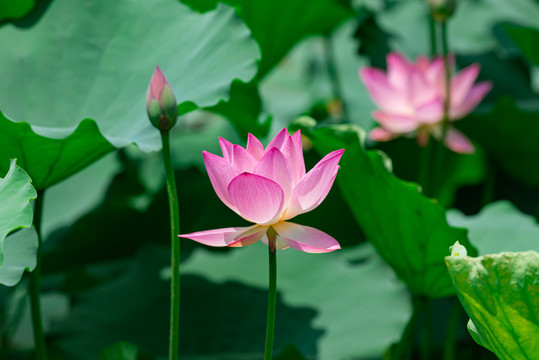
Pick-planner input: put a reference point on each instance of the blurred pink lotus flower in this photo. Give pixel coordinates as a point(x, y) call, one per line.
point(267, 187)
point(410, 97)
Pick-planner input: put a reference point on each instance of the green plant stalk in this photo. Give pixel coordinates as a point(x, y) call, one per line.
point(272, 294)
point(175, 247)
point(334, 78)
point(426, 305)
point(451, 335)
point(439, 156)
point(35, 286)
point(432, 36)
point(447, 74)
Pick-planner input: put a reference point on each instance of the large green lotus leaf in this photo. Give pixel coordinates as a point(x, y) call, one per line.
point(277, 25)
point(96, 63)
point(15, 9)
point(243, 110)
point(88, 187)
point(119, 351)
point(360, 306)
point(16, 192)
point(20, 249)
point(500, 293)
point(511, 134)
point(408, 229)
point(134, 307)
point(525, 38)
point(458, 169)
point(499, 227)
point(51, 155)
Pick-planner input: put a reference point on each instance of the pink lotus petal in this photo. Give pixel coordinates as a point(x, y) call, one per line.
point(397, 69)
point(257, 199)
point(436, 73)
point(420, 91)
point(431, 112)
point(381, 92)
point(276, 167)
point(278, 140)
point(314, 186)
point(458, 142)
point(157, 84)
point(422, 63)
point(226, 149)
point(298, 163)
point(474, 97)
point(250, 236)
point(221, 173)
point(395, 123)
point(462, 83)
point(255, 147)
point(242, 160)
point(220, 237)
point(381, 134)
point(305, 238)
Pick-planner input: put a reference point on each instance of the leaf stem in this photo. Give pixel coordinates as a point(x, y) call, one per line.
point(451, 335)
point(35, 286)
point(175, 247)
point(272, 294)
point(426, 329)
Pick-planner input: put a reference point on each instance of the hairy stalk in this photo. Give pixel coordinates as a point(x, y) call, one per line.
point(175, 246)
point(35, 286)
point(272, 294)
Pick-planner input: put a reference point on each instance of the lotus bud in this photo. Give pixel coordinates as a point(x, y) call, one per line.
point(442, 9)
point(458, 250)
point(160, 102)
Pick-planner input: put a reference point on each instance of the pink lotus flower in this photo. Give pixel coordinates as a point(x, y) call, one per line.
point(267, 187)
point(411, 99)
point(161, 103)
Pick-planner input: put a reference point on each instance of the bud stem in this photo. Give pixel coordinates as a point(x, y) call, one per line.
point(272, 294)
point(175, 247)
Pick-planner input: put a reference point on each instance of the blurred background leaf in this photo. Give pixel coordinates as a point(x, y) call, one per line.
point(409, 230)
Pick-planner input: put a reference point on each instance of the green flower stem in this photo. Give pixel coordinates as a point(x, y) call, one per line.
point(432, 36)
point(175, 245)
point(272, 295)
point(440, 151)
point(35, 286)
point(447, 73)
